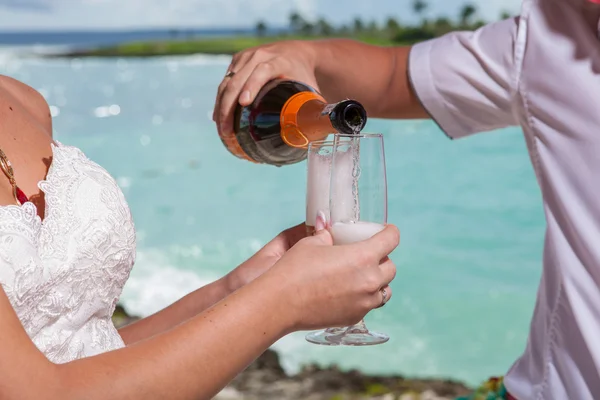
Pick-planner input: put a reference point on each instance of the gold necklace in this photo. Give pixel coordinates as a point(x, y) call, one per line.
point(6, 166)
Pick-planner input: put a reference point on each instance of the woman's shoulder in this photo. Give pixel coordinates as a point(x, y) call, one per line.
point(29, 99)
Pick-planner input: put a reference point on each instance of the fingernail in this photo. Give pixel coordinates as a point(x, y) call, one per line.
point(245, 97)
point(226, 129)
point(320, 223)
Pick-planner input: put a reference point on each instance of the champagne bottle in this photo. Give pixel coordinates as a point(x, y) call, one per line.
point(284, 118)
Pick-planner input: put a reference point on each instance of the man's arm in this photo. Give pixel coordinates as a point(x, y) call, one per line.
point(465, 81)
point(339, 68)
point(375, 76)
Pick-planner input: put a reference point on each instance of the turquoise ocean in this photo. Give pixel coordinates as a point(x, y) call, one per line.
point(469, 210)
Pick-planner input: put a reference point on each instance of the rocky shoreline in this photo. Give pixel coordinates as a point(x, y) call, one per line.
point(265, 379)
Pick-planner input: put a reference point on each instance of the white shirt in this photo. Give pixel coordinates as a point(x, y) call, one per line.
point(540, 71)
point(63, 275)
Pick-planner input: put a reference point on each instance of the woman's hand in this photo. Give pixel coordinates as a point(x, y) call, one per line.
point(314, 285)
point(264, 259)
point(206, 296)
point(326, 285)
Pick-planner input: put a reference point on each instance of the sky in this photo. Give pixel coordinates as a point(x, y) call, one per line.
point(134, 14)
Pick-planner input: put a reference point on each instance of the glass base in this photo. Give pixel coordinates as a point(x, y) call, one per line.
point(341, 337)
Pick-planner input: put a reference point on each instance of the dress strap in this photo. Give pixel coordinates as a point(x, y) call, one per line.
point(6, 166)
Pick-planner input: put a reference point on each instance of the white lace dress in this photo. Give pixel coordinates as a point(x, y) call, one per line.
point(64, 275)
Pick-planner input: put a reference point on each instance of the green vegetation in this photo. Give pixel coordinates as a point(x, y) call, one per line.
point(390, 33)
point(377, 389)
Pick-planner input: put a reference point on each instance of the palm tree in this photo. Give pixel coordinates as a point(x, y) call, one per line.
point(358, 25)
point(442, 25)
point(296, 22)
point(419, 7)
point(392, 25)
point(505, 15)
point(466, 13)
point(344, 30)
point(373, 28)
point(261, 29)
point(324, 28)
point(307, 29)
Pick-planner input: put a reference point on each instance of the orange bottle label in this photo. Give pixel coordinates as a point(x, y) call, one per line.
point(290, 130)
point(234, 147)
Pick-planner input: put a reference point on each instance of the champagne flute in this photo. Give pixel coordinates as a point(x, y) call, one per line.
point(319, 159)
point(318, 165)
point(358, 210)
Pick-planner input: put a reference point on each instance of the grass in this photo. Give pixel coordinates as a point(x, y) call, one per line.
point(376, 389)
point(225, 45)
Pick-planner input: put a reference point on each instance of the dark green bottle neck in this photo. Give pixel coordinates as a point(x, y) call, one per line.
point(347, 117)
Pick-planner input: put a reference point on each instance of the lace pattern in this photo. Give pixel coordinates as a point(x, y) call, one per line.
point(64, 275)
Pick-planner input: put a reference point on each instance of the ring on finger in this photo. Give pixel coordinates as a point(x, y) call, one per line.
point(229, 74)
point(384, 297)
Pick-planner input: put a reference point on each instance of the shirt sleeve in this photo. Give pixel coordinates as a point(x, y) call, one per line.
point(466, 80)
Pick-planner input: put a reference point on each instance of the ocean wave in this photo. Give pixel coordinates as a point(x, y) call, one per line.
point(10, 53)
point(33, 50)
point(155, 283)
point(37, 53)
point(202, 59)
point(13, 58)
point(163, 276)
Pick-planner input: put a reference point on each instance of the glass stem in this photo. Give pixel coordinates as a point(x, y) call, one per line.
point(358, 328)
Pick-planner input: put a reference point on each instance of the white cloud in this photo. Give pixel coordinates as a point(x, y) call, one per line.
point(69, 14)
point(148, 13)
point(34, 5)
